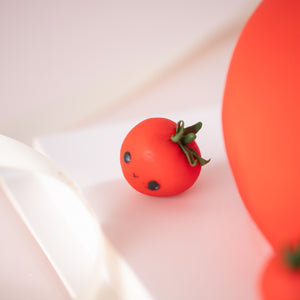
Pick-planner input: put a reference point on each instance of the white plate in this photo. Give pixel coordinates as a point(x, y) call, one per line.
point(201, 244)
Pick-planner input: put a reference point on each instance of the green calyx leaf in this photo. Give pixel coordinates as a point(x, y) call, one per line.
point(292, 257)
point(186, 139)
point(183, 137)
point(194, 129)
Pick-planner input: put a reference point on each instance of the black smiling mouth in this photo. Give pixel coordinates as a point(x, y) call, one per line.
point(152, 184)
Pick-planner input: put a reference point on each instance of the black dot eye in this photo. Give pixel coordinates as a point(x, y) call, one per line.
point(127, 157)
point(153, 185)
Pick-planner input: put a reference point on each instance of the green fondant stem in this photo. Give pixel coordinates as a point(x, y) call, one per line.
point(183, 137)
point(292, 257)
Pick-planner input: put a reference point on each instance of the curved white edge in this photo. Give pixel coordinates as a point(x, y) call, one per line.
point(16, 155)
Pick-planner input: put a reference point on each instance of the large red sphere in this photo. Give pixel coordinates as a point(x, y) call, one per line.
point(261, 119)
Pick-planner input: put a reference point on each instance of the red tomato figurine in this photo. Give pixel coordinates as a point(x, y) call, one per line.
point(281, 278)
point(160, 158)
point(261, 119)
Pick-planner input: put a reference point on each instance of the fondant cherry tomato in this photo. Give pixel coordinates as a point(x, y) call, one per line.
point(261, 120)
point(160, 158)
point(281, 278)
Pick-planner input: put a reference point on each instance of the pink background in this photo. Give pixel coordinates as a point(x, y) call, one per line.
point(53, 51)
